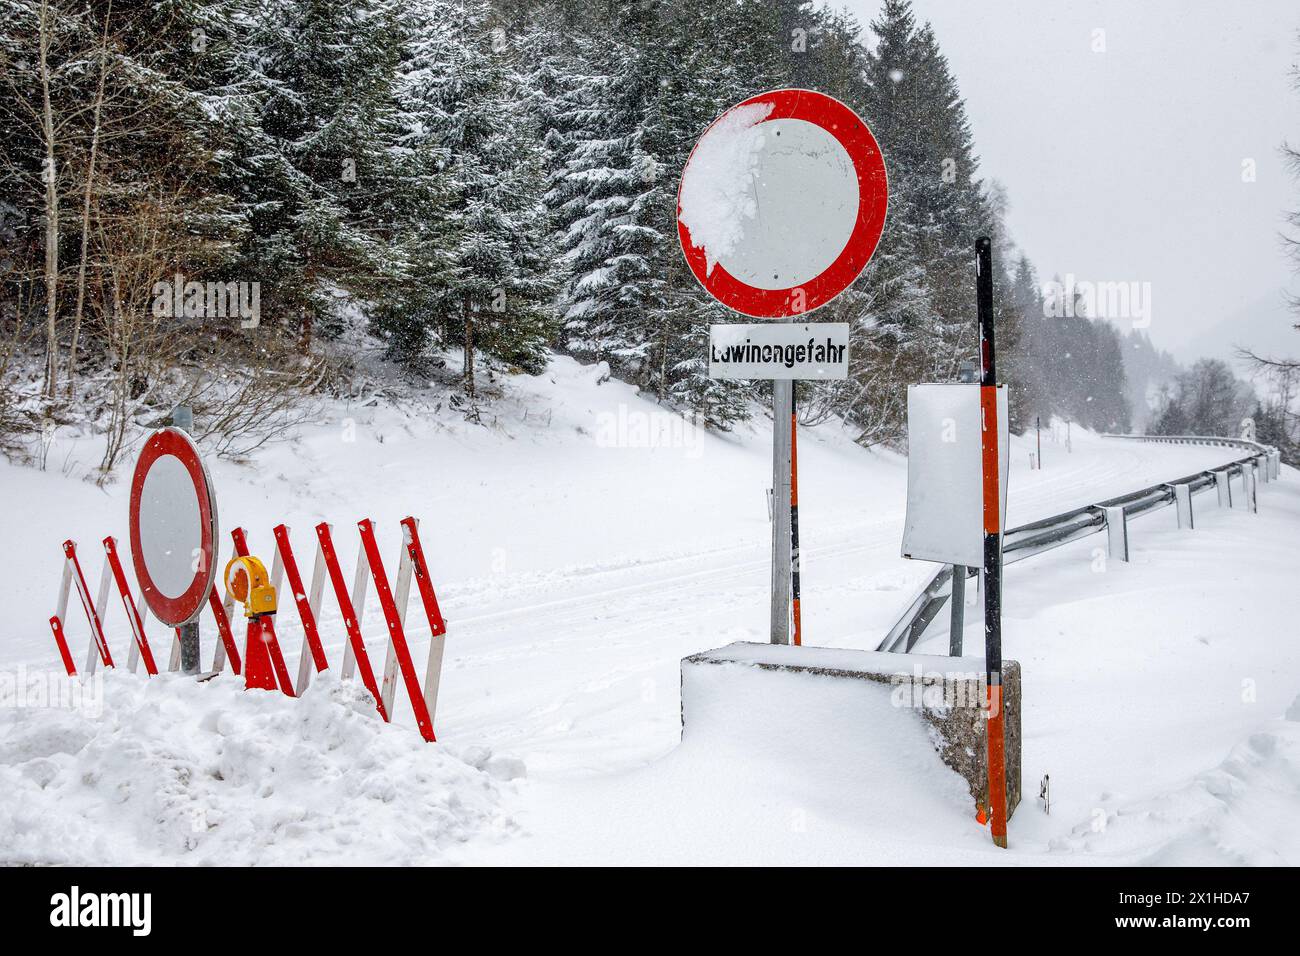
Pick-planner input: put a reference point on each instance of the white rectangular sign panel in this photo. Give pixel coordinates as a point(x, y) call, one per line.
point(945, 487)
point(787, 350)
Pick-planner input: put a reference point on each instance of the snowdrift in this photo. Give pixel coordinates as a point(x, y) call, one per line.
point(773, 768)
point(168, 770)
point(1241, 813)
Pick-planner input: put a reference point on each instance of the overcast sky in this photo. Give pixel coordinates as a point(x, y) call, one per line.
point(1127, 164)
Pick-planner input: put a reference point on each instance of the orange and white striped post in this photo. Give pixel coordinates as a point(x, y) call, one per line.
point(996, 730)
point(794, 517)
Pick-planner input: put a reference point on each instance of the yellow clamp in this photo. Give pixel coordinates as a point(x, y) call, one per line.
point(250, 585)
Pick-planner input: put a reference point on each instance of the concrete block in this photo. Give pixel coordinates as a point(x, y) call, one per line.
point(946, 694)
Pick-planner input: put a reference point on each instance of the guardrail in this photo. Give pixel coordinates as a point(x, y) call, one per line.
point(1261, 462)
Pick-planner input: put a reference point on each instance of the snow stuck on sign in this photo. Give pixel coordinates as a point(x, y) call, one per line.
point(717, 193)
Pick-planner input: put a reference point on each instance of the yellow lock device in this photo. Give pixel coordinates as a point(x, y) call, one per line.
point(250, 585)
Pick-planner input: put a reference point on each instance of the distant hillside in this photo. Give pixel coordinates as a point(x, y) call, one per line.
point(1266, 326)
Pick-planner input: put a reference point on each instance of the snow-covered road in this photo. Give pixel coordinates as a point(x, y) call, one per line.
point(576, 566)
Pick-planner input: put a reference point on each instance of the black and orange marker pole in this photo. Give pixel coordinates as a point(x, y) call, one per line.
point(794, 514)
point(996, 736)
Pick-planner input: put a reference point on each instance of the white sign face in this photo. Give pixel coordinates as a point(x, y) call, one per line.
point(173, 524)
point(798, 193)
point(171, 530)
point(945, 487)
point(782, 203)
point(784, 350)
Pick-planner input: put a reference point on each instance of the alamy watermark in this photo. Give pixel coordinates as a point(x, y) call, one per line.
point(920, 689)
point(179, 298)
point(21, 688)
point(133, 911)
point(629, 428)
point(1128, 300)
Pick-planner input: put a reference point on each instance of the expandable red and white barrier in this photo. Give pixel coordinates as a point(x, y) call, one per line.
point(263, 663)
point(137, 613)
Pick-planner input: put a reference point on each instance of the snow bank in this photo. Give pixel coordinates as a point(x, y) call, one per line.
point(169, 770)
point(717, 195)
point(577, 558)
point(1241, 813)
point(774, 768)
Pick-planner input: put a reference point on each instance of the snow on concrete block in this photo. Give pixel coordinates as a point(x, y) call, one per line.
point(946, 694)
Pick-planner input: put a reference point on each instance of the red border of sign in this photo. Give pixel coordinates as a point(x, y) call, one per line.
point(873, 203)
point(181, 610)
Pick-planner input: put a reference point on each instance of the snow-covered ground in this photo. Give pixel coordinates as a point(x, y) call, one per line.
point(581, 544)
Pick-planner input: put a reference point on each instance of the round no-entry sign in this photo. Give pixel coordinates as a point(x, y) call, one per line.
point(173, 527)
point(782, 203)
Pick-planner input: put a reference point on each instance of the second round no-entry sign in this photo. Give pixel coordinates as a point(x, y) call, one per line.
point(173, 524)
point(782, 203)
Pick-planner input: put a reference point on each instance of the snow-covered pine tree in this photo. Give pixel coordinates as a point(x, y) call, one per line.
point(97, 95)
point(1030, 396)
point(322, 172)
point(464, 100)
point(607, 248)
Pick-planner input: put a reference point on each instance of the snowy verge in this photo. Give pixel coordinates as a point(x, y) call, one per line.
point(1240, 813)
point(169, 770)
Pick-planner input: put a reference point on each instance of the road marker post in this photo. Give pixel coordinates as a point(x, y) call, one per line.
point(996, 730)
point(794, 517)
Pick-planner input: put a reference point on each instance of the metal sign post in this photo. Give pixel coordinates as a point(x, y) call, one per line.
point(187, 634)
point(996, 730)
point(781, 205)
point(782, 352)
point(782, 406)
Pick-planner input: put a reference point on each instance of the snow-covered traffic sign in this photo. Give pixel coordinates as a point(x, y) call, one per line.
point(173, 527)
point(782, 203)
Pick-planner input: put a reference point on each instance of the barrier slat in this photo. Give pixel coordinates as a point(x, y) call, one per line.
point(57, 627)
point(396, 635)
point(422, 578)
point(98, 641)
point(60, 615)
point(401, 595)
point(311, 636)
point(277, 657)
point(313, 605)
point(350, 621)
point(359, 579)
point(227, 648)
point(101, 600)
point(224, 647)
point(437, 626)
point(129, 606)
